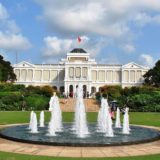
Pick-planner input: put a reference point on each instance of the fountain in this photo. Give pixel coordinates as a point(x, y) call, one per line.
point(34, 128)
point(55, 124)
point(118, 121)
point(41, 121)
point(126, 129)
point(104, 119)
point(31, 120)
point(80, 133)
point(80, 123)
point(109, 132)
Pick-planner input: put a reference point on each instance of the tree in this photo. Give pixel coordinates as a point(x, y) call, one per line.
point(152, 77)
point(6, 71)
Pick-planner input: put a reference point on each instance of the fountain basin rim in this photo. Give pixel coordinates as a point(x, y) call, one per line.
point(79, 145)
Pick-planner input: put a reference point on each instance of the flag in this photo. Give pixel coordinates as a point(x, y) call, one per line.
point(79, 39)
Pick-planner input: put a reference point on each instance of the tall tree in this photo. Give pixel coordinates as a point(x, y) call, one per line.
point(152, 77)
point(6, 71)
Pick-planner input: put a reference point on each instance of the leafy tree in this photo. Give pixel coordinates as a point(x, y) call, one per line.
point(152, 77)
point(6, 71)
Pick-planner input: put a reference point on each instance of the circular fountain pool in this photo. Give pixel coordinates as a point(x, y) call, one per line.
point(68, 138)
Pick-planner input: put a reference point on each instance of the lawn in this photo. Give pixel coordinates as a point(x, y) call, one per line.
point(150, 119)
point(142, 118)
point(14, 156)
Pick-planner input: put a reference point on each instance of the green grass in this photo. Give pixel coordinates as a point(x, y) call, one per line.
point(150, 119)
point(142, 118)
point(14, 156)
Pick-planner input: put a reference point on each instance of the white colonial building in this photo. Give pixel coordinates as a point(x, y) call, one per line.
point(77, 68)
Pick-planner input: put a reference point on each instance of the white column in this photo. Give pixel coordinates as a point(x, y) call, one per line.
point(42, 75)
point(97, 88)
point(74, 76)
point(113, 76)
point(65, 88)
point(20, 74)
point(105, 76)
point(49, 75)
point(89, 73)
point(81, 73)
point(134, 76)
point(58, 75)
point(26, 75)
point(122, 79)
point(66, 73)
point(129, 76)
point(33, 75)
point(74, 90)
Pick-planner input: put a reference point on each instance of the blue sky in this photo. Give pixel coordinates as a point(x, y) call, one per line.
point(43, 31)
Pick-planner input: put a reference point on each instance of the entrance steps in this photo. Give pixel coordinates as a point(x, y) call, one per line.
point(67, 105)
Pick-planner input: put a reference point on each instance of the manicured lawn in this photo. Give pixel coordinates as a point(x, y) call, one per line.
point(151, 119)
point(13, 156)
point(143, 118)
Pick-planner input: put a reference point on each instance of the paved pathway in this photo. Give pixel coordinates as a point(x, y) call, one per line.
point(60, 151)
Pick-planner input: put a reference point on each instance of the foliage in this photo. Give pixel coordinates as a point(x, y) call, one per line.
point(152, 77)
point(112, 92)
point(17, 97)
point(11, 87)
point(41, 90)
point(143, 98)
point(11, 101)
point(6, 71)
point(36, 102)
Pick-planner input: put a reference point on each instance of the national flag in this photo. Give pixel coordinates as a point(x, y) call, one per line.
point(79, 39)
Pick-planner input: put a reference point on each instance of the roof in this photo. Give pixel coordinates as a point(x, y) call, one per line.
point(78, 50)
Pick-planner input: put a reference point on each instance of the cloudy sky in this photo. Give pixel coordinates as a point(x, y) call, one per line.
point(43, 31)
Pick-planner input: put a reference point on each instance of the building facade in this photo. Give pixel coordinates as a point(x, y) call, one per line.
point(77, 68)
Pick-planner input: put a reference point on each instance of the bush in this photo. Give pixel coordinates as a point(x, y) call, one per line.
point(36, 102)
point(44, 90)
point(11, 102)
point(47, 91)
point(11, 87)
point(113, 92)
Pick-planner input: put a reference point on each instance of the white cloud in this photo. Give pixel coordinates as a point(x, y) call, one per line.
point(3, 12)
point(13, 42)
point(55, 47)
point(143, 18)
point(110, 20)
point(105, 18)
point(11, 39)
point(128, 48)
point(147, 60)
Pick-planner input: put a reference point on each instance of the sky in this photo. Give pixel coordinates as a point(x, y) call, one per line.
point(113, 32)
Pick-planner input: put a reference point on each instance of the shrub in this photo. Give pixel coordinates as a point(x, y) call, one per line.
point(113, 92)
point(36, 102)
point(44, 90)
point(11, 102)
point(47, 91)
point(11, 87)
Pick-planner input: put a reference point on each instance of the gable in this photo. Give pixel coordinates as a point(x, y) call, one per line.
point(24, 64)
point(134, 66)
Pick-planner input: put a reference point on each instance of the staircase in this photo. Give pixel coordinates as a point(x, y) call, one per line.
point(67, 105)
